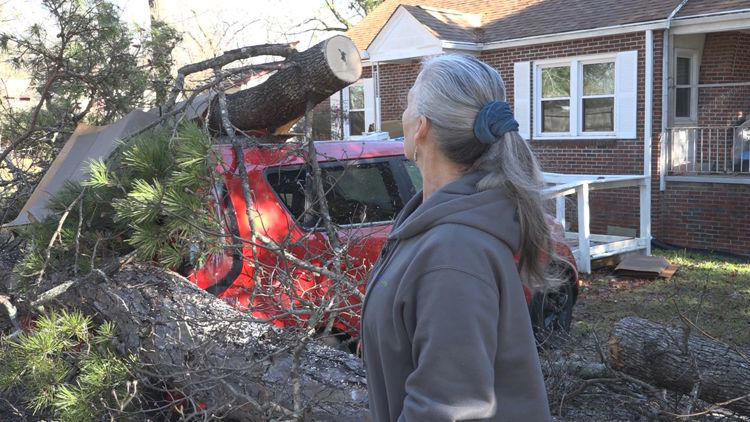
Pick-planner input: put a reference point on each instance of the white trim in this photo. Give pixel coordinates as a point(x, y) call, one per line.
point(709, 22)
point(462, 45)
point(575, 99)
point(663, 154)
point(740, 180)
point(618, 247)
point(647, 140)
point(712, 22)
point(584, 228)
point(588, 58)
point(522, 97)
point(568, 137)
point(694, 56)
point(574, 35)
point(597, 237)
point(403, 37)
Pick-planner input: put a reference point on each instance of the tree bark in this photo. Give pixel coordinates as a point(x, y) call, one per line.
point(212, 353)
point(315, 74)
point(672, 358)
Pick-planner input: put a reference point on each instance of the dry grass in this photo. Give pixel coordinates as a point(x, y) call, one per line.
point(712, 291)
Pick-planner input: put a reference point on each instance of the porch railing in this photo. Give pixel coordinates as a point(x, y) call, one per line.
point(709, 150)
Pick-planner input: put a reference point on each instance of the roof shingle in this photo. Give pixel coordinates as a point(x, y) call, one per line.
point(513, 19)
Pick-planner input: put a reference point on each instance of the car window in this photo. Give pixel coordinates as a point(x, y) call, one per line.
point(357, 193)
point(414, 175)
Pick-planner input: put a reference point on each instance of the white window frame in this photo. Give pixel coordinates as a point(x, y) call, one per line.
point(692, 54)
point(576, 97)
point(347, 110)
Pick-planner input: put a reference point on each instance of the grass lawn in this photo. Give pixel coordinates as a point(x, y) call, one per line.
point(711, 291)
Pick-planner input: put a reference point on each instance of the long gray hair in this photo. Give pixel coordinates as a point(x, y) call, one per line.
point(450, 92)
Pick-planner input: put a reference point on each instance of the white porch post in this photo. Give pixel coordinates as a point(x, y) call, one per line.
point(647, 141)
point(645, 209)
point(584, 229)
point(560, 210)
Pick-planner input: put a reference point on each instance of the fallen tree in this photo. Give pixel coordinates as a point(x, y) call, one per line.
point(312, 75)
point(214, 360)
point(212, 356)
point(678, 360)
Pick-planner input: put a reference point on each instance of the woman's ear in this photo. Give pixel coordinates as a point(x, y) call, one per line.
point(423, 128)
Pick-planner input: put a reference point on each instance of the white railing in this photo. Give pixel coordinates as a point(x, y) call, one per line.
point(590, 246)
point(709, 150)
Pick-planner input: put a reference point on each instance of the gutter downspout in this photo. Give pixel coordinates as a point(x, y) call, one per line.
point(647, 141)
point(665, 111)
point(378, 119)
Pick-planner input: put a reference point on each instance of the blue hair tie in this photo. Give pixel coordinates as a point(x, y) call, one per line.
point(493, 121)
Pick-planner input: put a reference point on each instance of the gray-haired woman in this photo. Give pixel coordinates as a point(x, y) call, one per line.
point(445, 328)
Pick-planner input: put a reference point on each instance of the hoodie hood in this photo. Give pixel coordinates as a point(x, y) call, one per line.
point(459, 202)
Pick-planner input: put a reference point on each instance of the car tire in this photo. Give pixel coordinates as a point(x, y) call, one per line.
point(553, 312)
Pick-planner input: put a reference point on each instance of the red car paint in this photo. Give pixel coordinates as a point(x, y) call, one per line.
point(230, 276)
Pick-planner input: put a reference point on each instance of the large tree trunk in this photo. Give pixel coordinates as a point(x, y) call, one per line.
point(667, 358)
point(315, 75)
point(214, 354)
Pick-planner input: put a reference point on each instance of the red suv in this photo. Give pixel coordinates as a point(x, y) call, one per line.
point(366, 183)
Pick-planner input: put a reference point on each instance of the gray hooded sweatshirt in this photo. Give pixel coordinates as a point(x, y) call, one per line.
point(445, 326)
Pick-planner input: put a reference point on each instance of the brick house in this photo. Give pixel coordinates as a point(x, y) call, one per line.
point(657, 88)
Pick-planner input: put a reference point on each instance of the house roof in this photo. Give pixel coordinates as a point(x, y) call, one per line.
point(447, 24)
point(454, 20)
point(694, 8)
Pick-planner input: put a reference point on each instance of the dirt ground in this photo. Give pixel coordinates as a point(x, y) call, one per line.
point(712, 291)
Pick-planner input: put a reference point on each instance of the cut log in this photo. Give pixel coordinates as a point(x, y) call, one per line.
point(656, 354)
point(315, 75)
point(214, 354)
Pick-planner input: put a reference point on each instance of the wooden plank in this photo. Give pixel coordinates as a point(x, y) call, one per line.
point(614, 248)
point(601, 238)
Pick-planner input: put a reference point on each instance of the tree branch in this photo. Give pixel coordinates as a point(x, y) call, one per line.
point(284, 50)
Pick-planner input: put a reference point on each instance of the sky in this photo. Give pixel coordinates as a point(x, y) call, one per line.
point(209, 27)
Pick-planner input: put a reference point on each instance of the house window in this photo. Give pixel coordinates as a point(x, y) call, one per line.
point(686, 86)
point(352, 110)
point(555, 101)
point(598, 99)
point(577, 97)
point(356, 109)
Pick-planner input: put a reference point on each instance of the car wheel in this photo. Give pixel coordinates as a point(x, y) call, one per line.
point(553, 312)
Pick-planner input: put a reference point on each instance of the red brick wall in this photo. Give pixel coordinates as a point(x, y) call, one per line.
point(707, 216)
point(726, 59)
point(395, 81)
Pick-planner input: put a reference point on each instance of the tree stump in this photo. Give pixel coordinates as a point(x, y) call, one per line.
point(315, 75)
point(668, 358)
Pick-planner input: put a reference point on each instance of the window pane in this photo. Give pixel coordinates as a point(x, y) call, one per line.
point(682, 102)
point(598, 114)
point(683, 71)
point(362, 193)
point(414, 175)
point(356, 193)
point(356, 96)
point(556, 116)
point(556, 82)
point(356, 122)
point(599, 79)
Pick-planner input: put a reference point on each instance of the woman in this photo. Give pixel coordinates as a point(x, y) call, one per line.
point(445, 328)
